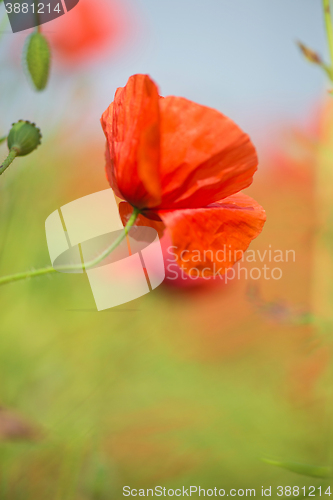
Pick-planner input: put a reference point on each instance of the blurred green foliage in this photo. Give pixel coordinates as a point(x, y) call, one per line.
point(175, 388)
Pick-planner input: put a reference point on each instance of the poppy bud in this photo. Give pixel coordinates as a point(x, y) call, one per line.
point(38, 57)
point(310, 54)
point(23, 137)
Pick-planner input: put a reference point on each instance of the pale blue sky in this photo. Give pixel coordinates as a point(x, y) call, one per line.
point(238, 56)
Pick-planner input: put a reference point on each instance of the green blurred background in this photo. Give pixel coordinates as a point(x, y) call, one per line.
point(181, 387)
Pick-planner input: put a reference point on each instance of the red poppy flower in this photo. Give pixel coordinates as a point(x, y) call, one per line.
point(87, 30)
point(182, 165)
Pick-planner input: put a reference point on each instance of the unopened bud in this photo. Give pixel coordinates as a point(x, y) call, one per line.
point(23, 137)
point(310, 54)
point(38, 58)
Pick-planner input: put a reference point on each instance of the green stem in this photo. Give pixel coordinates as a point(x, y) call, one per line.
point(329, 32)
point(38, 27)
point(2, 139)
point(3, 23)
point(78, 267)
point(8, 161)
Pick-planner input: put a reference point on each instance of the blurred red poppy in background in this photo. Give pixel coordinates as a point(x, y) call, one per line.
point(88, 30)
point(182, 165)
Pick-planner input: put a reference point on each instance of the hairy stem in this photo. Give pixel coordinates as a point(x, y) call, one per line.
point(3, 23)
point(8, 161)
point(50, 270)
point(37, 17)
point(329, 32)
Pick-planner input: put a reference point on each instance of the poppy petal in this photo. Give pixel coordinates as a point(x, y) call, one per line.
point(89, 31)
point(125, 211)
point(210, 240)
point(205, 156)
point(110, 173)
point(132, 128)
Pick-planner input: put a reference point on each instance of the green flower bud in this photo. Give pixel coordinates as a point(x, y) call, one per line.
point(23, 137)
point(310, 54)
point(38, 58)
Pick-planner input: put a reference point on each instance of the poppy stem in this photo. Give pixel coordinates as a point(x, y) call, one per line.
point(2, 139)
point(329, 33)
point(78, 267)
point(37, 17)
point(9, 160)
point(3, 24)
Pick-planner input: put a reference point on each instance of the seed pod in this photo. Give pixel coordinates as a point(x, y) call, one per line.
point(23, 137)
point(38, 59)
